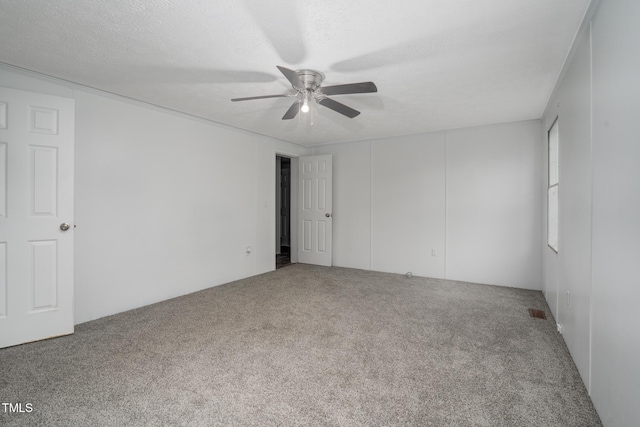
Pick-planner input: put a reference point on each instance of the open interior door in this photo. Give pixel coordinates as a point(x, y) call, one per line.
point(315, 217)
point(36, 216)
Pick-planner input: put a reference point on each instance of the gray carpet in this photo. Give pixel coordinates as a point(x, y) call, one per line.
point(307, 345)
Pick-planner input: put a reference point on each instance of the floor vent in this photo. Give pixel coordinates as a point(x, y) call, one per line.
point(538, 314)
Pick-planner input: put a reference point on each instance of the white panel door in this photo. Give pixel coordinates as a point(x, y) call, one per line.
point(36, 198)
point(315, 209)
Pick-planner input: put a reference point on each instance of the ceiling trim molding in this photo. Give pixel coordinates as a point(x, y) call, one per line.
point(85, 88)
point(443, 131)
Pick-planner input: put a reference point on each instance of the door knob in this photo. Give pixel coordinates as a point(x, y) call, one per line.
point(328, 215)
point(64, 226)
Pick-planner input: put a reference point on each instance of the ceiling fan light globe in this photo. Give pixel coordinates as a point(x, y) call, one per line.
point(305, 106)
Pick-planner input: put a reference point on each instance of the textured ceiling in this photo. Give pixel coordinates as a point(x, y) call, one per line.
point(438, 64)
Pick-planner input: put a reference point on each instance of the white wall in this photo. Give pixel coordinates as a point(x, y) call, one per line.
point(494, 205)
point(615, 375)
point(471, 195)
point(570, 268)
point(598, 105)
point(165, 204)
point(408, 209)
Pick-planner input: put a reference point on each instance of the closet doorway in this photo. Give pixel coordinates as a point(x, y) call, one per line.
point(283, 212)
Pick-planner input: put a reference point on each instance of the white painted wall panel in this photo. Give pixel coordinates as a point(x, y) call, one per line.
point(392, 208)
point(550, 268)
point(166, 205)
point(408, 193)
point(599, 100)
point(493, 205)
point(615, 376)
point(574, 256)
point(131, 206)
point(222, 193)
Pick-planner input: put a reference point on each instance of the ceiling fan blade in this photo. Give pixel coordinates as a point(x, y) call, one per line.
point(292, 76)
point(292, 111)
point(339, 107)
point(261, 97)
point(363, 87)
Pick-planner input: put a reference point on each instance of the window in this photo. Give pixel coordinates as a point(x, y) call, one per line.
point(552, 188)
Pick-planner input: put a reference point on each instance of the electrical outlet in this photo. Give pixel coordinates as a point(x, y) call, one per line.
point(560, 328)
point(248, 249)
point(434, 252)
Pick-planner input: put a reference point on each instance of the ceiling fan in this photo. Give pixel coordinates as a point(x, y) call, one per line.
point(308, 86)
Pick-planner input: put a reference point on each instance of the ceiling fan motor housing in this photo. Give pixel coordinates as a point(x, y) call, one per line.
point(311, 79)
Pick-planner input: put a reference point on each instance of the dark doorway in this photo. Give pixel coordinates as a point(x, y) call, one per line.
point(283, 211)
